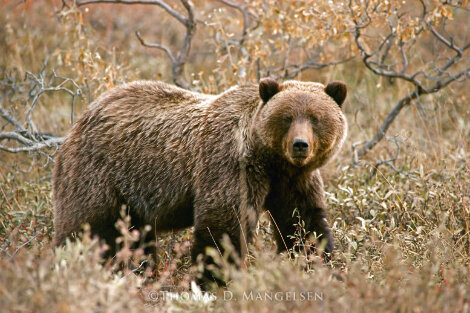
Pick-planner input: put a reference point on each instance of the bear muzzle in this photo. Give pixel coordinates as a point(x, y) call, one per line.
point(299, 143)
point(300, 148)
point(300, 151)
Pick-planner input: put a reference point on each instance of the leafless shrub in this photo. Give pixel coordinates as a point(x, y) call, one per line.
point(178, 59)
point(18, 132)
point(394, 42)
point(277, 39)
point(263, 32)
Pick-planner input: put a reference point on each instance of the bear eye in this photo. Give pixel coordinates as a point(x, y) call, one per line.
point(287, 120)
point(314, 120)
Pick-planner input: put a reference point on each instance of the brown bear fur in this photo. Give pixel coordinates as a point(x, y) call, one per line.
point(177, 158)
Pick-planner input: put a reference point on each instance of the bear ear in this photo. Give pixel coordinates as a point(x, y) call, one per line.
point(337, 90)
point(268, 87)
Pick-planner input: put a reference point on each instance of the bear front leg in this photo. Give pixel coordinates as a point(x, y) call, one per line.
point(307, 198)
point(232, 210)
point(211, 224)
point(315, 222)
point(319, 225)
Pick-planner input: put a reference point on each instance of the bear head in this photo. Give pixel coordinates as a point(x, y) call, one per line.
point(301, 122)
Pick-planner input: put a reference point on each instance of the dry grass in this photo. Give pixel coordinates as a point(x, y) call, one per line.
point(403, 239)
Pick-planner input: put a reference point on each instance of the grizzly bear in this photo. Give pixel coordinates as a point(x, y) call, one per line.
point(177, 158)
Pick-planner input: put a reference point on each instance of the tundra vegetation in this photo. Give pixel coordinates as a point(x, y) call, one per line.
point(398, 194)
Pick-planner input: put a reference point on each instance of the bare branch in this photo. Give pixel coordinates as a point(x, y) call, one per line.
point(178, 67)
point(404, 58)
point(246, 18)
point(53, 142)
point(17, 137)
point(387, 42)
point(11, 119)
point(157, 46)
point(190, 29)
point(366, 56)
point(311, 64)
point(404, 102)
point(178, 60)
point(290, 71)
point(388, 162)
point(240, 42)
point(23, 136)
point(449, 43)
point(388, 121)
point(375, 60)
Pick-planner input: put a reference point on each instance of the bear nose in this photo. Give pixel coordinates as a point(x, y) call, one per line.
point(300, 146)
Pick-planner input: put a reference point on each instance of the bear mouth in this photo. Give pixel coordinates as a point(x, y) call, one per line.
point(299, 157)
point(299, 160)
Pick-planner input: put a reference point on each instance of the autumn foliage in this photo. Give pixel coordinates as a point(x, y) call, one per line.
point(398, 197)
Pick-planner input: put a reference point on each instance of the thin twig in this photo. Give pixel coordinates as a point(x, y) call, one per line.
point(157, 46)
